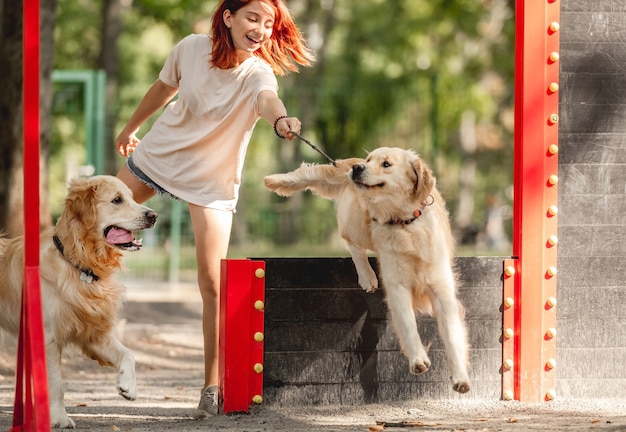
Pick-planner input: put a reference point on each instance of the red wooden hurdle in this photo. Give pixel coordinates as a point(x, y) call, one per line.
point(529, 282)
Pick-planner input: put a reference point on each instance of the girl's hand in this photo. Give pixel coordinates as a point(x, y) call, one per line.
point(126, 143)
point(288, 124)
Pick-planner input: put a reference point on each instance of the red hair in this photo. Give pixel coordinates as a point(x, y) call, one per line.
point(284, 51)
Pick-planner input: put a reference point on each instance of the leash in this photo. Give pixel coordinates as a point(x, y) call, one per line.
point(314, 147)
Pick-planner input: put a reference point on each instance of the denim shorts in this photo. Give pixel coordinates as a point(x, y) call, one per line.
point(142, 177)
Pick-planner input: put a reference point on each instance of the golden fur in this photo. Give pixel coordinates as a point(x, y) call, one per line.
point(388, 203)
point(95, 226)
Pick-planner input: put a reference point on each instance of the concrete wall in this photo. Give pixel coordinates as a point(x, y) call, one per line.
point(591, 343)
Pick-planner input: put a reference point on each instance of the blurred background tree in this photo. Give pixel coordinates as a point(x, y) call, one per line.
point(11, 124)
point(432, 75)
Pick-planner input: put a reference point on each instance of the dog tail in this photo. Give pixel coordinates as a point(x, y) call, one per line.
point(327, 181)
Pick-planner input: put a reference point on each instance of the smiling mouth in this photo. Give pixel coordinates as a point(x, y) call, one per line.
point(122, 238)
point(253, 40)
point(366, 186)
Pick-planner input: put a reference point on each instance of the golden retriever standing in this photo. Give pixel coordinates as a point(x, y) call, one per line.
point(79, 294)
point(388, 203)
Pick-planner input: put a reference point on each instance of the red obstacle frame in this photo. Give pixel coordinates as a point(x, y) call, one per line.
point(529, 288)
point(242, 306)
point(529, 279)
point(535, 201)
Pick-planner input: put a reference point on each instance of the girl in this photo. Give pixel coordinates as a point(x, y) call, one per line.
point(225, 82)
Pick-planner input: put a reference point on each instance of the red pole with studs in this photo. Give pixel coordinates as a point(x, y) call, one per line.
point(535, 199)
point(242, 306)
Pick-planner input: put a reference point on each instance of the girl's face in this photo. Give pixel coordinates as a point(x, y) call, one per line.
point(250, 27)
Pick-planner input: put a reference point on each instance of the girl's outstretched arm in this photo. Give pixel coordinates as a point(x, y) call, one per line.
point(272, 109)
point(155, 98)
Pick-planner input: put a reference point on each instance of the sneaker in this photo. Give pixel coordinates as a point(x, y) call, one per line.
point(208, 403)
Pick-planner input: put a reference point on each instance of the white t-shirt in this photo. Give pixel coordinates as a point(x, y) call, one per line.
point(196, 148)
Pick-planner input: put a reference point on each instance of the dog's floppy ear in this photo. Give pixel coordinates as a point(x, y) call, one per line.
point(425, 181)
point(81, 202)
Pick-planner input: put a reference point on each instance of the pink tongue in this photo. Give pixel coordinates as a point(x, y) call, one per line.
point(119, 236)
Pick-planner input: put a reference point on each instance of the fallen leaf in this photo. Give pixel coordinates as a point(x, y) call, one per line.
point(376, 428)
point(512, 420)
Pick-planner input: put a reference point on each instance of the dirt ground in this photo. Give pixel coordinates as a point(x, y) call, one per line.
point(165, 335)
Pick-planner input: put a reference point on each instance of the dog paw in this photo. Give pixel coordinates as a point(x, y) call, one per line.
point(127, 393)
point(369, 283)
point(370, 289)
point(126, 385)
point(62, 422)
point(461, 386)
point(419, 366)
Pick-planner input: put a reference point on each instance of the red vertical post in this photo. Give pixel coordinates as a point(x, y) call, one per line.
point(536, 178)
point(31, 408)
point(242, 306)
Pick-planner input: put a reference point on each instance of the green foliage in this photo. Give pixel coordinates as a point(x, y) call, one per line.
point(180, 16)
point(142, 56)
point(77, 34)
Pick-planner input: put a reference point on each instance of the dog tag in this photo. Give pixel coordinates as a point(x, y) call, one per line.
point(85, 277)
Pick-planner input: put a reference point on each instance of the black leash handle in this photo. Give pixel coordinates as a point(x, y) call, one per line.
point(314, 147)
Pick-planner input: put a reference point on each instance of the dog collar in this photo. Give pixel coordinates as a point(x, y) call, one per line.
point(416, 214)
point(86, 275)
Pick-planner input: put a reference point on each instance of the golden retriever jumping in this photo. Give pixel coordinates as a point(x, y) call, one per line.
point(79, 294)
point(388, 203)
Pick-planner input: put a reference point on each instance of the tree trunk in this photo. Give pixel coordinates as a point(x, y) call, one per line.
point(109, 62)
point(11, 118)
point(48, 17)
point(10, 104)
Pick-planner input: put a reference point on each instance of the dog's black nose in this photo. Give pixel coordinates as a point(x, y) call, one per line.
point(357, 170)
point(152, 216)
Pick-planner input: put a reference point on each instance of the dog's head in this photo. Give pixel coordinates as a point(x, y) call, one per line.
point(101, 209)
point(392, 178)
